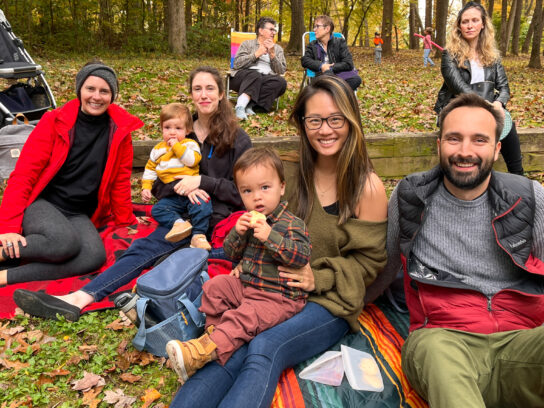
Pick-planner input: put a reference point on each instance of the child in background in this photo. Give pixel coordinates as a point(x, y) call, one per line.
point(175, 156)
point(427, 47)
point(253, 297)
point(377, 48)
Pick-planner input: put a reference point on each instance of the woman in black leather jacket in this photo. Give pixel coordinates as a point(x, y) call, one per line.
point(471, 63)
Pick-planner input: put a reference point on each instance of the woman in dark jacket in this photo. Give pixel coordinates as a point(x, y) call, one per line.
point(471, 63)
point(328, 54)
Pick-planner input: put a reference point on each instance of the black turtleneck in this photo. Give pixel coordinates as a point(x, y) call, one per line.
point(75, 187)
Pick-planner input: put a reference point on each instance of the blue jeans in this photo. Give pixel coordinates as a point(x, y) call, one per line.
point(141, 254)
point(169, 209)
point(426, 53)
point(250, 377)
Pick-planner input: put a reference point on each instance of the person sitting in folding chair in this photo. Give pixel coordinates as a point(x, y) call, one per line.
point(329, 54)
point(258, 67)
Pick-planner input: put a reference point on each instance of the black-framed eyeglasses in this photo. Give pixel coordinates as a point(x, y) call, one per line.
point(271, 29)
point(319, 25)
point(315, 122)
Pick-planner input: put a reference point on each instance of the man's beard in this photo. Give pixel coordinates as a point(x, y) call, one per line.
point(466, 181)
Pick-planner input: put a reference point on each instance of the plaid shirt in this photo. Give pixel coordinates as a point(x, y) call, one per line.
point(288, 244)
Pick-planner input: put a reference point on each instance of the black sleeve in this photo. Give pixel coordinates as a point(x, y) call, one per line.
point(310, 60)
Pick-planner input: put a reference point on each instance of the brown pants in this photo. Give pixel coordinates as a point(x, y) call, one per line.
point(241, 312)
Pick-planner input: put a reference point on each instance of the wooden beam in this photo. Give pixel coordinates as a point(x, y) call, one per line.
point(394, 154)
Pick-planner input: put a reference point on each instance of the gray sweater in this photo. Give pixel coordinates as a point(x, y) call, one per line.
point(457, 238)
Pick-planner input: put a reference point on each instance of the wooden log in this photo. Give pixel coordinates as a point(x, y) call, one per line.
point(394, 154)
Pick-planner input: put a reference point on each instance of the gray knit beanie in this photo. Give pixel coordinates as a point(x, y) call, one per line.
point(100, 71)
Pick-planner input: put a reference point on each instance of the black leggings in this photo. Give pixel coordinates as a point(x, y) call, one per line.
point(511, 151)
point(58, 245)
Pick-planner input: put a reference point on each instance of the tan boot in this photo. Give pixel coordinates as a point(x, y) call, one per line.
point(179, 231)
point(189, 356)
point(200, 241)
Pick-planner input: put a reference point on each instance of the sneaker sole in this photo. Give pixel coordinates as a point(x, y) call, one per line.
point(176, 359)
point(179, 236)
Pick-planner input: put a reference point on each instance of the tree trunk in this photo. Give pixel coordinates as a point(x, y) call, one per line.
point(503, 43)
point(105, 22)
point(490, 6)
point(367, 34)
point(177, 41)
point(517, 28)
point(528, 37)
point(246, 17)
point(428, 13)
point(280, 22)
point(441, 24)
point(188, 14)
point(297, 27)
point(510, 24)
point(387, 28)
point(413, 40)
point(538, 15)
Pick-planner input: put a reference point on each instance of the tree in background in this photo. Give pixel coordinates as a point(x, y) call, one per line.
point(177, 40)
point(387, 27)
point(538, 16)
point(297, 27)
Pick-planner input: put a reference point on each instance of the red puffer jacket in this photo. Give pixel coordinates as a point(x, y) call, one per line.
point(44, 154)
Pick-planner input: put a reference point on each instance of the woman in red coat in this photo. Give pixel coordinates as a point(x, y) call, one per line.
point(73, 174)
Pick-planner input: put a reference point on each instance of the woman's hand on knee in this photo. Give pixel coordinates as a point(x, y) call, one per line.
point(198, 195)
point(10, 244)
point(302, 278)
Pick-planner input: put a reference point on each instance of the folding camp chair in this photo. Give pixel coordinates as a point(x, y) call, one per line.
point(237, 38)
point(308, 73)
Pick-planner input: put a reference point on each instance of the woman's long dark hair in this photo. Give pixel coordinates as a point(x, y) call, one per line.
point(223, 124)
point(353, 166)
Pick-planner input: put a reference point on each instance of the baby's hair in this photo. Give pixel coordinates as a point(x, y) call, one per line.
point(263, 156)
point(177, 110)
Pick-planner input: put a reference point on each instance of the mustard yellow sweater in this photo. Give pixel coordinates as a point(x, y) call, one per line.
point(165, 162)
point(346, 258)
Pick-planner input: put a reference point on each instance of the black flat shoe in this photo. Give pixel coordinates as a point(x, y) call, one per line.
point(43, 305)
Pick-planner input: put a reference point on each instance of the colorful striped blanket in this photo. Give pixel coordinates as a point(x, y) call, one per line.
point(382, 333)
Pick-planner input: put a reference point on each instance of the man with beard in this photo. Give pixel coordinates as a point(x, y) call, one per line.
point(471, 244)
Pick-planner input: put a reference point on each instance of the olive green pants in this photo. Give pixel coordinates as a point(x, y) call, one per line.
point(451, 368)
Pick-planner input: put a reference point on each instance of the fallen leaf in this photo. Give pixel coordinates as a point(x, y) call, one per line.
point(122, 346)
point(14, 330)
point(119, 324)
point(88, 381)
point(56, 373)
point(86, 348)
point(89, 397)
point(16, 365)
point(151, 394)
point(118, 398)
point(131, 378)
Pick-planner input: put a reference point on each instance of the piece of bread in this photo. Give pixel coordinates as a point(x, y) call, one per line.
point(255, 216)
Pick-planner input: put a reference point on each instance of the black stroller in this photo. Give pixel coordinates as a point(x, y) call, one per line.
point(28, 93)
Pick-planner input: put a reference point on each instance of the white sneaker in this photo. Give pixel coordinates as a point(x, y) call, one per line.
point(240, 112)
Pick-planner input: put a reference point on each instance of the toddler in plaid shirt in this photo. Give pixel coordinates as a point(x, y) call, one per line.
point(253, 297)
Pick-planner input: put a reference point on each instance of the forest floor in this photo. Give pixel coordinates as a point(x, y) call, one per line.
point(92, 362)
point(397, 96)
